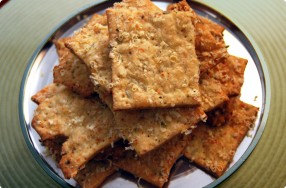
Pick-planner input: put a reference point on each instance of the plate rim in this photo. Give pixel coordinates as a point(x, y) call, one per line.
point(253, 47)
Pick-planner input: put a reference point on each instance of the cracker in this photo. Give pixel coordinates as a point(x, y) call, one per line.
point(94, 173)
point(210, 46)
point(220, 82)
point(148, 129)
point(47, 92)
point(153, 59)
point(87, 124)
point(230, 74)
point(155, 166)
point(180, 6)
point(71, 71)
point(212, 93)
point(137, 4)
point(90, 44)
point(212, 148)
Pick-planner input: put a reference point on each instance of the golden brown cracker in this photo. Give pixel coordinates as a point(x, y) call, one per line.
point(71, 71)
point(209, 35)
point(86, 123)
point(230, 74)
point(155, 166)
point(90, 44)
point(210, 46)
point(148, 129)
point(222, 81)
point(153, 59)
point(212, 93)
point(47, 92)
point(212, 148)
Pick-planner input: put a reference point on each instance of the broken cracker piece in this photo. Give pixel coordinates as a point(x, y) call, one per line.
point(155, 166)
point(230, 74)
point(212, 148)
point(71, 71)
point(153, 59)
point(148, 129)
point(87, 124)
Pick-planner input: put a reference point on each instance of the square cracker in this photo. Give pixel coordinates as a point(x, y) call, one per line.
point(148, 129)
point(90, 44)
point(71, 71)
point(87, 124)
point(212, 148)
point(210, 46)
point(230, 74)
point(153, 59)
point(155, 166)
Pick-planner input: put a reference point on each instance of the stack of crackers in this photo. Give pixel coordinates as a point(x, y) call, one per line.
point(137, 88)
